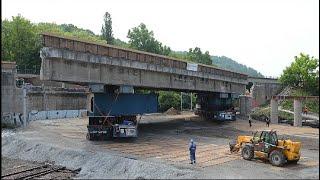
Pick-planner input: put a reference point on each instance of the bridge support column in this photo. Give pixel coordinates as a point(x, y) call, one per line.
point(274, 111)
point(297, 121)
point(25, 113)
point(245, 105)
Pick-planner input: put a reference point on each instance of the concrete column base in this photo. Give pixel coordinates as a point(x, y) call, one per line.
point(274, 113)
point(297, 121)
point(245, 105)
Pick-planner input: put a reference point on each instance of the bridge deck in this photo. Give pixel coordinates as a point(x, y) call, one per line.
point(71, 60)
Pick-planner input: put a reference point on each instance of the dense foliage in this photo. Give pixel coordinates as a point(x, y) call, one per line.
point(20, 42)
point(168, 99)
point(227, 63)
point(106, 30)
point(302, 73)
point(21, 39)
point(197, 56)
point(142, 39)
point(193, 55)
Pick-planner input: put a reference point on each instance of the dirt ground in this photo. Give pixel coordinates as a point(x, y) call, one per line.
point(163, 145)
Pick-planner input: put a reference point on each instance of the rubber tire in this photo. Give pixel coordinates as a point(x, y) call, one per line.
point(277, 158)
point(247, 152)
point(293, 162)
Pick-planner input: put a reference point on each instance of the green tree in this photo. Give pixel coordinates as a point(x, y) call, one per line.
point(168, 99)
point(106, 30)
point(68, 30)
point(230, 64)
point(302, 73)
point(142, 39)
point(197, 56)
point(20, 42)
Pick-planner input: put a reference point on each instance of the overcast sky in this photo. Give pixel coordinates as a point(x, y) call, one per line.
point(262, 34)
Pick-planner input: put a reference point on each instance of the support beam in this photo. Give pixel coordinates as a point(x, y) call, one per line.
point(297, 112)
point(274, 111)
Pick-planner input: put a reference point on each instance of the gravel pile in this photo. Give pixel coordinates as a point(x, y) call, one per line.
point(172, 111)
point(95, 165)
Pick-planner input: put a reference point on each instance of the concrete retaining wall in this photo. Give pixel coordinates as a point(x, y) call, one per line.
point(48, 103)
point(262, 92)
point(56, 114)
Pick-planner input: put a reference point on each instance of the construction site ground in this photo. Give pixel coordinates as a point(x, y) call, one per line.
point(160, 151)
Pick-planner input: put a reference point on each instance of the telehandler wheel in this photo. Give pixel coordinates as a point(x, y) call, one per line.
point(293, 161)
point(277, 158)
point(247, 152)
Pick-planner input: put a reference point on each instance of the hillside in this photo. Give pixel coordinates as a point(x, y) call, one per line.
point(223, 62)
point(227, 63)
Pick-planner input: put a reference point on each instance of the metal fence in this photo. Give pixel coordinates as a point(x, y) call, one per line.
point(28, 70)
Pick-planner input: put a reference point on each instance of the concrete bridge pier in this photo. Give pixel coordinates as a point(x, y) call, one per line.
point(297, 120)
point(25, 113)
point(274, 111)
point(245, 105)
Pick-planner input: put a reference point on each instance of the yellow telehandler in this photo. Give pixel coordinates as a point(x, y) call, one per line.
point(265, 145)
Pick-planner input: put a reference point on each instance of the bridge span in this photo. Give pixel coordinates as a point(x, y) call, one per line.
point(72, 60)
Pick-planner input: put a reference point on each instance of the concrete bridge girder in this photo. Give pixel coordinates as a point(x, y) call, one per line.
point(72, 66)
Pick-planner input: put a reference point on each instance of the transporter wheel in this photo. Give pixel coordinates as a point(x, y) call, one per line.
point(247, 152)
point(277, 158)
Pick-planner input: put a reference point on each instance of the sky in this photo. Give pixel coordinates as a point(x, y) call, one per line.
point(262, 34)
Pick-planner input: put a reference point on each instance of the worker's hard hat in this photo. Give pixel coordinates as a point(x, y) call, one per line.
point(191, 140)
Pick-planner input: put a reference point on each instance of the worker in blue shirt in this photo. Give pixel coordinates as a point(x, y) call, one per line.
point(192, 149)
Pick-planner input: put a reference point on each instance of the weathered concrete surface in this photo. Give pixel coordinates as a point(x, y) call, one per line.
point(263, 89)
point(274, 114)
point(72, 66)
point(245, 105)
point(297, 118)
point(11, 97)
point(35, 81)
point(16, 105)
point(263, 80)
